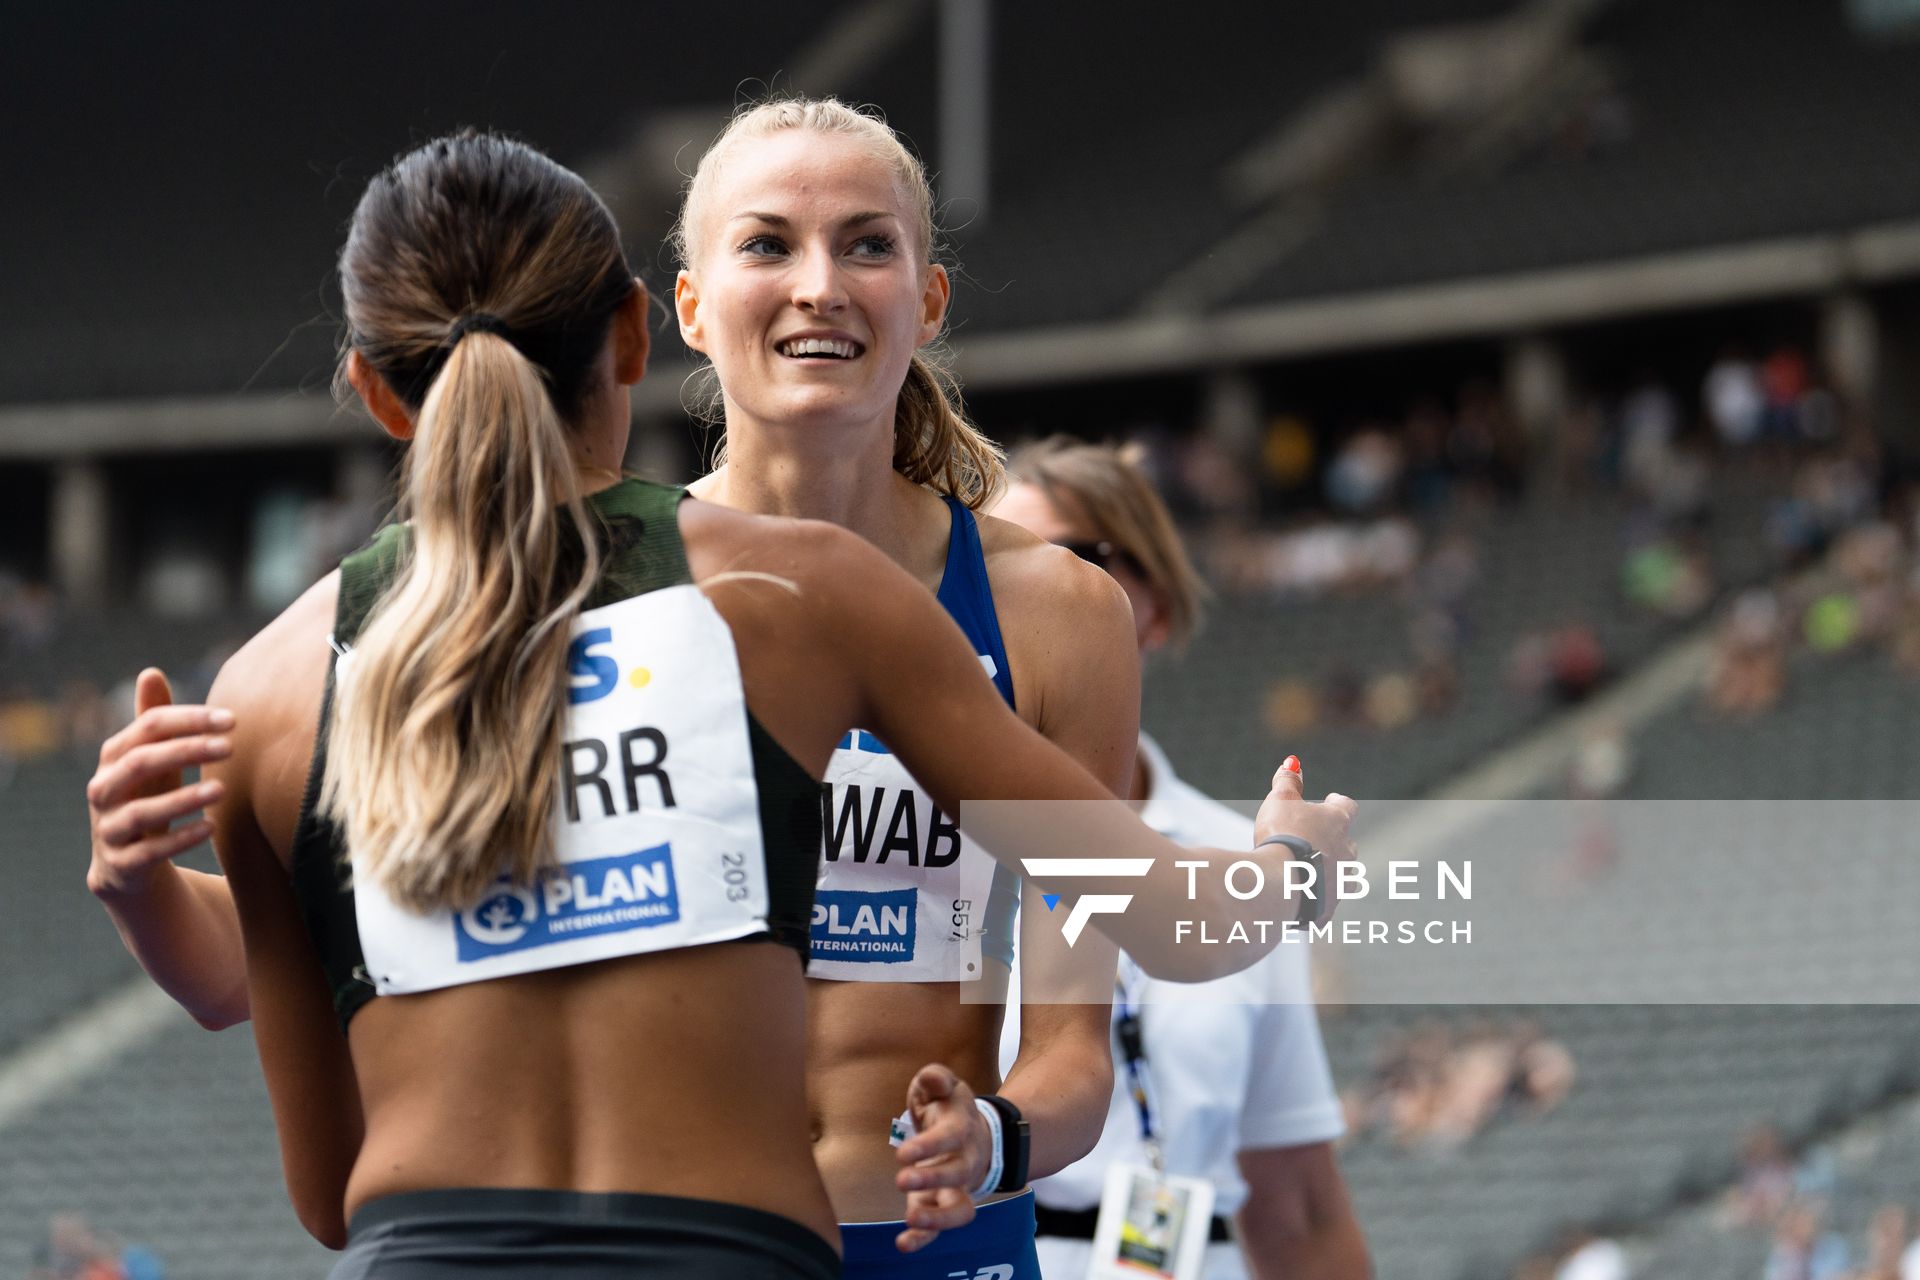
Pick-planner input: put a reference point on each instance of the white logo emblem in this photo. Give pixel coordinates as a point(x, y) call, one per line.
point(1092, 904)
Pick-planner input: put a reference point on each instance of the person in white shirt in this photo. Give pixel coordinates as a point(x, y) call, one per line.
point(1593, 1257)
point(1233, 1073)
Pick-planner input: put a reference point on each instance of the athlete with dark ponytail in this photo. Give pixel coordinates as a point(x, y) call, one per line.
point(501, 796)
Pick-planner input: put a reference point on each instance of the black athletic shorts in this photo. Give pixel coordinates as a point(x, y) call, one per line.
point(508, 1234)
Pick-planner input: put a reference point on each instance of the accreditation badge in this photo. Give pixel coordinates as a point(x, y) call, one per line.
point(1152, 1226)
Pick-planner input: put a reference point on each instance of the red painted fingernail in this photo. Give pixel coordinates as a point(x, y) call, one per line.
point(1291, 764)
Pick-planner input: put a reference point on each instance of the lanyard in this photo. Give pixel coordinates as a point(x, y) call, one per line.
point(1133, 1048)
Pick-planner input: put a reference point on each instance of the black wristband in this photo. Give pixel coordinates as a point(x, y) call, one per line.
point(1313, 907)
point(1016, 1143)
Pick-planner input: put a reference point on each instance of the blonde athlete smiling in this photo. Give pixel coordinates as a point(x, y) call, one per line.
point(852, 428)
point(808, 283)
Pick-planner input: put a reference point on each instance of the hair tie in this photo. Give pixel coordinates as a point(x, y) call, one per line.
point(480, 320)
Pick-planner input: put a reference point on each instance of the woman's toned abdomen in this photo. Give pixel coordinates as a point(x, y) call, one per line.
point(865, 1041)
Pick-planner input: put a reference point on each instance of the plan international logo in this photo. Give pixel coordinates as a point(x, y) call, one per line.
point(581, 899)
point(873, 927)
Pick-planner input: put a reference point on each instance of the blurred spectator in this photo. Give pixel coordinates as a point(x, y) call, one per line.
point(1681, 491)
point(1905, 640)
point(141, 1263)
point(1671, 577)
point(83, 713)
point(1429, 1087)
point(1538, 1266)
point(1214, 478)
point(1910, 1261)
point(30, 727)
point(1766, 1179)
point(1364, 476)
point(1436, 683)
point(1288, 453)
point(1582, 439)
point(1342, 697)
point(74, 1251)
point(1449, 575)
point(1292, 708)
point(29, 615)
point(1488, 445)
point(1886, 1242)
point(1832, 623)
point(1602, 764)
point(1869, 558)
point(1803, 1248)
point(1576, 662)
point(1733, 399)
point(1590, 1256)
point(1649, 421)
point(1391, 701)
point(183, 582)
point(1819, 416)
point(1479, 1074)
point(1317, 558)
point(1543, 1070)
point(1429, 485)
point(1784, 379)
point(1749, 670)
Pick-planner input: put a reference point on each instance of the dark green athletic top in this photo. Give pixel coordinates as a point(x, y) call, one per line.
point(641, 552)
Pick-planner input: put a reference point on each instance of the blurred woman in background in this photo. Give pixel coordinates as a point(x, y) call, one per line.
point(1233, 1077)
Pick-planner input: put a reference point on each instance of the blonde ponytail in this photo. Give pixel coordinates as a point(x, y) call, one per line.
point(445, 751)
point(933, 442)
point(481, 280)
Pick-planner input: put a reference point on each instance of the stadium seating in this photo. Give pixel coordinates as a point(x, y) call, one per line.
point(171, 1148)
point(1664, 1096)
point(1544, 564)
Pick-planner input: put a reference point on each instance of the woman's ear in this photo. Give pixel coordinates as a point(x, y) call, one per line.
point(686, 308)
point(386, 407)
point(933, 303)
point(631, 340)
point(1156, 628)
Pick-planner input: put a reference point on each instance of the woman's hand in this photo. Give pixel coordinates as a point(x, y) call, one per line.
point(945, 1160)
point(137, 793)
point(1326, 825)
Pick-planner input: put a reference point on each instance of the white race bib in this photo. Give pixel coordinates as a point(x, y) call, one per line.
point(657, 825)
point(902, 894)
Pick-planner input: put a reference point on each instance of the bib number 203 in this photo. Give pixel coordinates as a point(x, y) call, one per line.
point(734, 872)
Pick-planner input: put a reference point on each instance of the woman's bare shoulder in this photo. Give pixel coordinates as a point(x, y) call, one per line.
point(721, 541)
point(274, 685)
point(289, 652)
point(1038, 584)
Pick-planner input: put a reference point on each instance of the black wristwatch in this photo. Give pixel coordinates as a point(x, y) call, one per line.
point(1313, 905)
point(1016, 1143)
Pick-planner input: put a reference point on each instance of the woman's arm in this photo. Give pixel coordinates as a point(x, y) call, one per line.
point(1072, 646)
point(918, 684)
point(179, 924)
point(303, 1054)
point(1298, 1223)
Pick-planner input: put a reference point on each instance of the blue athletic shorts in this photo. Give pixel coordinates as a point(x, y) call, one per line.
point(996, 1245)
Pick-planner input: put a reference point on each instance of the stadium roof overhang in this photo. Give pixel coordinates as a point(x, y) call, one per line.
point(1526, 302)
